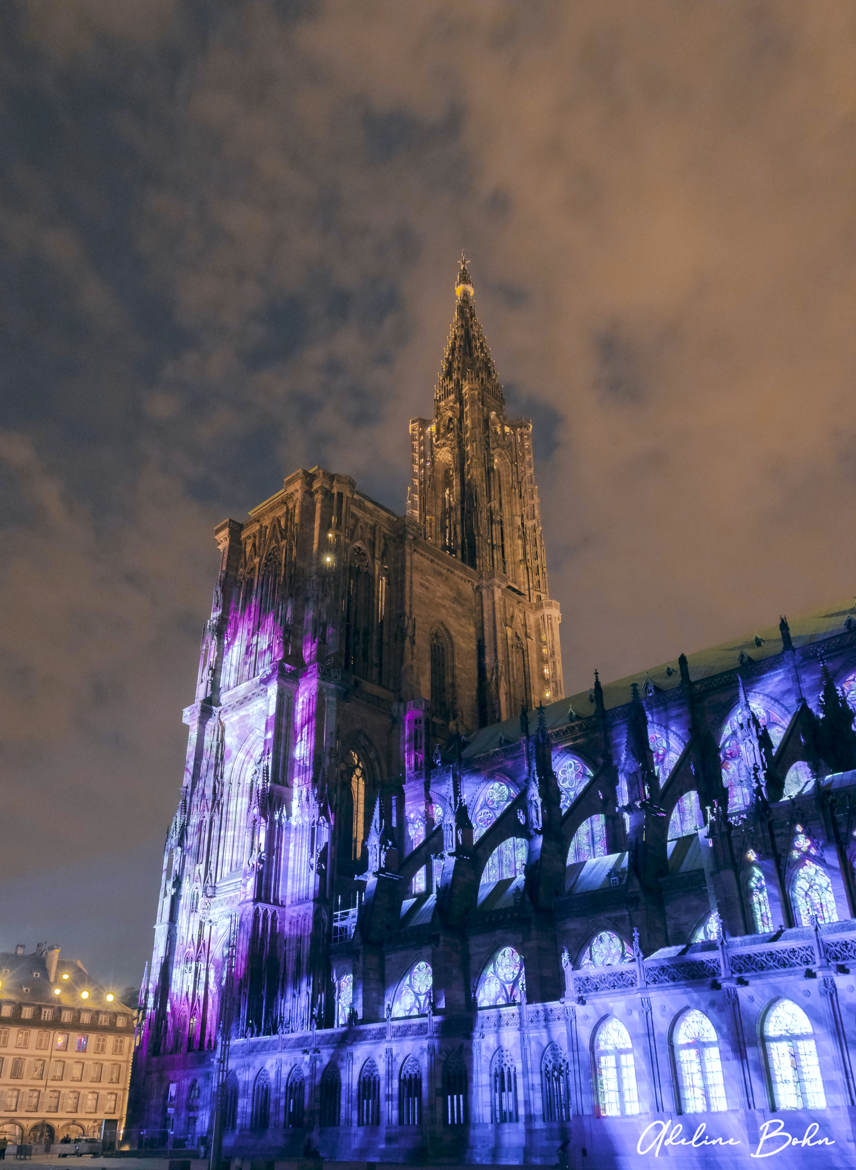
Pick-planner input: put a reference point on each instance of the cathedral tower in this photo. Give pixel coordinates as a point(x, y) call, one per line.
point(473, 495)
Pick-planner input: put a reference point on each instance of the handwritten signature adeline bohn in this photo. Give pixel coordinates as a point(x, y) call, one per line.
point(773, 1138)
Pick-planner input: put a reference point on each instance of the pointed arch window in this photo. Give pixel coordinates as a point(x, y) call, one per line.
point(687, 817)
point(794, 1070)
point(260, 1109)
point(503, 1084)
point(708, 929)
point(799, 778)
point(413, 994)
point(572, 775)
point(493, 799)
point(447, 511)
point(605, 950)
point(410, 1093)
point(344, 999)
point(441, 675)
point(555, 1084)
point(454, 1089)
point(368, 1095)
point(812, 896)
point(700, 1082)
point(759, 900)
point(508, 860)
point(503, 980)
point(358, 614)
point(589, 840)
point(330, 1096)
point(739, 754)
point(295, 1097)
point(666, 749)
point(358, 794)
point(519, 693)
point(615, 1070)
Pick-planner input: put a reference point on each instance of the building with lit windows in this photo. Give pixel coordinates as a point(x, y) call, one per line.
point(65, 1051)
point(417, 908)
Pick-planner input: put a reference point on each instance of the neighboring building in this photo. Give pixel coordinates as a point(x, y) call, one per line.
point(66, 1044)
point(400, 916)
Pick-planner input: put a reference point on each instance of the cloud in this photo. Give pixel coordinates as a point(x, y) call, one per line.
point(231, 236)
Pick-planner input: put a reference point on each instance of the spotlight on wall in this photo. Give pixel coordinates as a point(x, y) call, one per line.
point(84, 995)
point(110, 996)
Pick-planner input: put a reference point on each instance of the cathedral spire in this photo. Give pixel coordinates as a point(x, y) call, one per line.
point(467, 358)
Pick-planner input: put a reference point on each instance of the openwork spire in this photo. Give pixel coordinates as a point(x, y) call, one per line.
point(467, 357)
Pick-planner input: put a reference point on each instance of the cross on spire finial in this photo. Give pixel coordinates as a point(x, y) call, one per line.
point(464, 283)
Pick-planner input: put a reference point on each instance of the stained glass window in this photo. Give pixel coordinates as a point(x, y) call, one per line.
point(686, 817)
point(708, 929)
point(413, 994)
point(848, 689)
point(615, 1070)
point(701, 1085)
point(572, 775)
point(344, 999)
point(589, 840)
point(503, 980)
point(799, 777)
point(811, 895)
point(606, 949)
point(738, 750)
point(492, 800)
point(666, 749)
point(416, 830)
point(508, 860)
point(792, 1061)
point(759, 900)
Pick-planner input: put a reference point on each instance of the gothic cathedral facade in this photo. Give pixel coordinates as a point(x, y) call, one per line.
point(416, 906)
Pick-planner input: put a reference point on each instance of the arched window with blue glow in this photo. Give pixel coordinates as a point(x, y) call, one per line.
point(493, 799)
point(295, 1099)
point(759, 899)
point(792, 1064)
point(555, 1084)
point(686, 817)
point(811, 895)
point(615, 1070)
point(606, 949)
point(508, 860)
point(667, 748)
point(572, 775)
point(330, 1108)
point(701, 1086)
point(344, 999)
point(413, 994)
point(848, 690)
point(708, 929)
point(503, 1078)
point(368, 1094)
point(503, 979)
point(738, 749)
point(260, 1103)
point(799, 778)
point(410, 1092)
point(589, 840)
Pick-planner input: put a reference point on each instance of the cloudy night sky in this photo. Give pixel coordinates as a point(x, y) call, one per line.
point(228, 240)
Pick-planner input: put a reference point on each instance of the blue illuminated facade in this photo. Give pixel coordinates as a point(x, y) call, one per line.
point(403, 920)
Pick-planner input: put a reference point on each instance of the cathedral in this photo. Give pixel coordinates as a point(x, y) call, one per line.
point(416, 906)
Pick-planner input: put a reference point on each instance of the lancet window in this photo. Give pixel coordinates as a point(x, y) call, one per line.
point(503, 980)
point(358, 617)
point(759, 900)
point(330, 1096)
point(295, 1096)
point(666, 749)
point(615, 1070)
point(589, 840)
point(368, 1095)
point(738, 749)
point(606, 949)
point(344, 999)
point(799, 778)
point(686, 817)
point(260, 1107)
point(792, 1063)
point(700, 1081)
point(454, 1089)
point(410, 1093)
point(555, 1084)
point(230, 1103)
point(413, 994)
point(503, 1082)
point(572, 776)
point(441, 680)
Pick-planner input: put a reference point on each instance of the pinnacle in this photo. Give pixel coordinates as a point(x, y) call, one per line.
point(464, 280)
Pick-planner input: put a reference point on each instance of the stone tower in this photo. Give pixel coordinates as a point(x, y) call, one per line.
point(473, 495)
